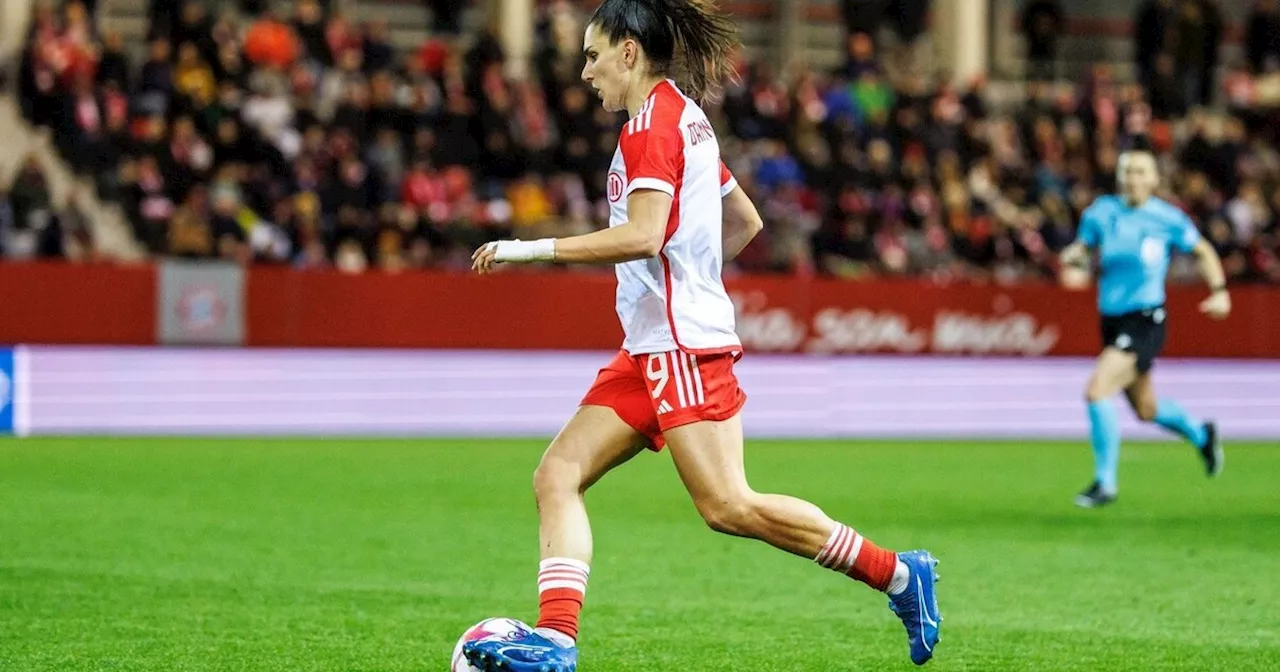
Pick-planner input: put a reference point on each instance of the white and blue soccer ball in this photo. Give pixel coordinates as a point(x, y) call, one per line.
point(490, 629)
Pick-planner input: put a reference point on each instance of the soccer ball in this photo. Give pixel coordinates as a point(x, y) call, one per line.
point(502, 629)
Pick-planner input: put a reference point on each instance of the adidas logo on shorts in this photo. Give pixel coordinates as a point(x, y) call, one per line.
point(664, 407)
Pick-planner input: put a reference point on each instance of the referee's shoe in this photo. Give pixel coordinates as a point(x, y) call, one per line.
point(1095, 496)
point(1211, 450)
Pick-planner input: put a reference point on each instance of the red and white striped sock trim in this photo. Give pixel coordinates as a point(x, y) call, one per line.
point(841, 549)
point(563, 573)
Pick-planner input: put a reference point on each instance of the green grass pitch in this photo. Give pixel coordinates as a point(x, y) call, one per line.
point(256, 555)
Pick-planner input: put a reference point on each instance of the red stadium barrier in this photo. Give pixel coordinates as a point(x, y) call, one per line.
point(431, 310)
point(55, 303)
point(71, 304)
point(914, 317)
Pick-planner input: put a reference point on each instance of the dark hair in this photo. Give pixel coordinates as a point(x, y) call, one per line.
point(688, 40)
point(1141, 143)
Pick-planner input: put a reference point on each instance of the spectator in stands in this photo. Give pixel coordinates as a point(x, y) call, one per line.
point(386, 158)
point(530, 203)
point(1043, 23)
point(385, 110)
point(362, 161)
point(157, 71)
point(77, 39)
point(1262, 36)
point(189, 233)
point(229, 234)
point(192, 76)
point(844, 249)
point(32, 208)
point(1212, 49)
point(195, 26)
point(1248, 213)
point(909, 21)
point(1166, 91)
point(1154, 23)
point(269, 112)
point(446, 15)
point(1194, 32)
point(113, 63)
point(231, 67)
point(861, 56)
point(343, 38)
point(271, 42)
point(379, 55)
point(309, 25)
point(162, 16)
point(1240, 92)
point(33, 226)
point(863, 16)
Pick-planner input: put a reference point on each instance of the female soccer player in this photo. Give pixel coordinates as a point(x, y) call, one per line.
point(676, 214)
point(1135, 233)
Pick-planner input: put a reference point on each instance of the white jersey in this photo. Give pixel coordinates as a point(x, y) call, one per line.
point(675, 301)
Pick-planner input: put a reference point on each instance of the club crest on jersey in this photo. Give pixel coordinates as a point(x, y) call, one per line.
point(615, 187)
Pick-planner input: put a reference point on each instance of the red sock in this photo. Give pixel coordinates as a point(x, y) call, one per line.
point(852, 554)
point(562, 584)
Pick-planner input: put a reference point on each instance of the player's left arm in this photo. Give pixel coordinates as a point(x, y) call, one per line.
point(1187, 239)
point(741, 222)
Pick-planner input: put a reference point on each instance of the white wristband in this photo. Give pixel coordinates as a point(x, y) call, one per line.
point(524, 250)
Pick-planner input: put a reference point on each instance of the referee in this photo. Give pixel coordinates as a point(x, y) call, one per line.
point(1134, 234)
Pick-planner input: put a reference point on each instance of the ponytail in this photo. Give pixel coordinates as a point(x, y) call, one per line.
point(705, 40)
point(689, 40)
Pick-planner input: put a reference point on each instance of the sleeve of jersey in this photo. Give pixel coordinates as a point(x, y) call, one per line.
point(1185, 235)
point(653, 159)
point(727, 181)
point(1089, 233)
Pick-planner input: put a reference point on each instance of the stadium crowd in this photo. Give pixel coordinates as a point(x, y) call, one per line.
point(307, 139)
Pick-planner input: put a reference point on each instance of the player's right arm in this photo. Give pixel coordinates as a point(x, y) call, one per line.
point(640, 237)
point(653, 160)
point(741, 222)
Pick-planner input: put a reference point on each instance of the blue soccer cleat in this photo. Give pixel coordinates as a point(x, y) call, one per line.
point(531, 653)
point(917, 606)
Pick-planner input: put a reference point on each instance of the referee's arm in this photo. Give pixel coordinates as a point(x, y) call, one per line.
point(1076, 255)
point(1087, 237)
point(1218, 305)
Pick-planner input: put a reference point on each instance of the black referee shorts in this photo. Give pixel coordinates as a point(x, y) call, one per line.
point(1140, 332)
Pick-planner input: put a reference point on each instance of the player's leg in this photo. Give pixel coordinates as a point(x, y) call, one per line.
point(697, 401)
point(613, 424)
point(593, 442)
point(1113, 371)
point(1170, 415)
point(709, 458)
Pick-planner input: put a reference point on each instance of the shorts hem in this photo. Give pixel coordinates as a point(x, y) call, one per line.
point(1131, 313)
point(694, 415)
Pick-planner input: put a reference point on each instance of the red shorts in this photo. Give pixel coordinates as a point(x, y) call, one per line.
point(664, 390)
